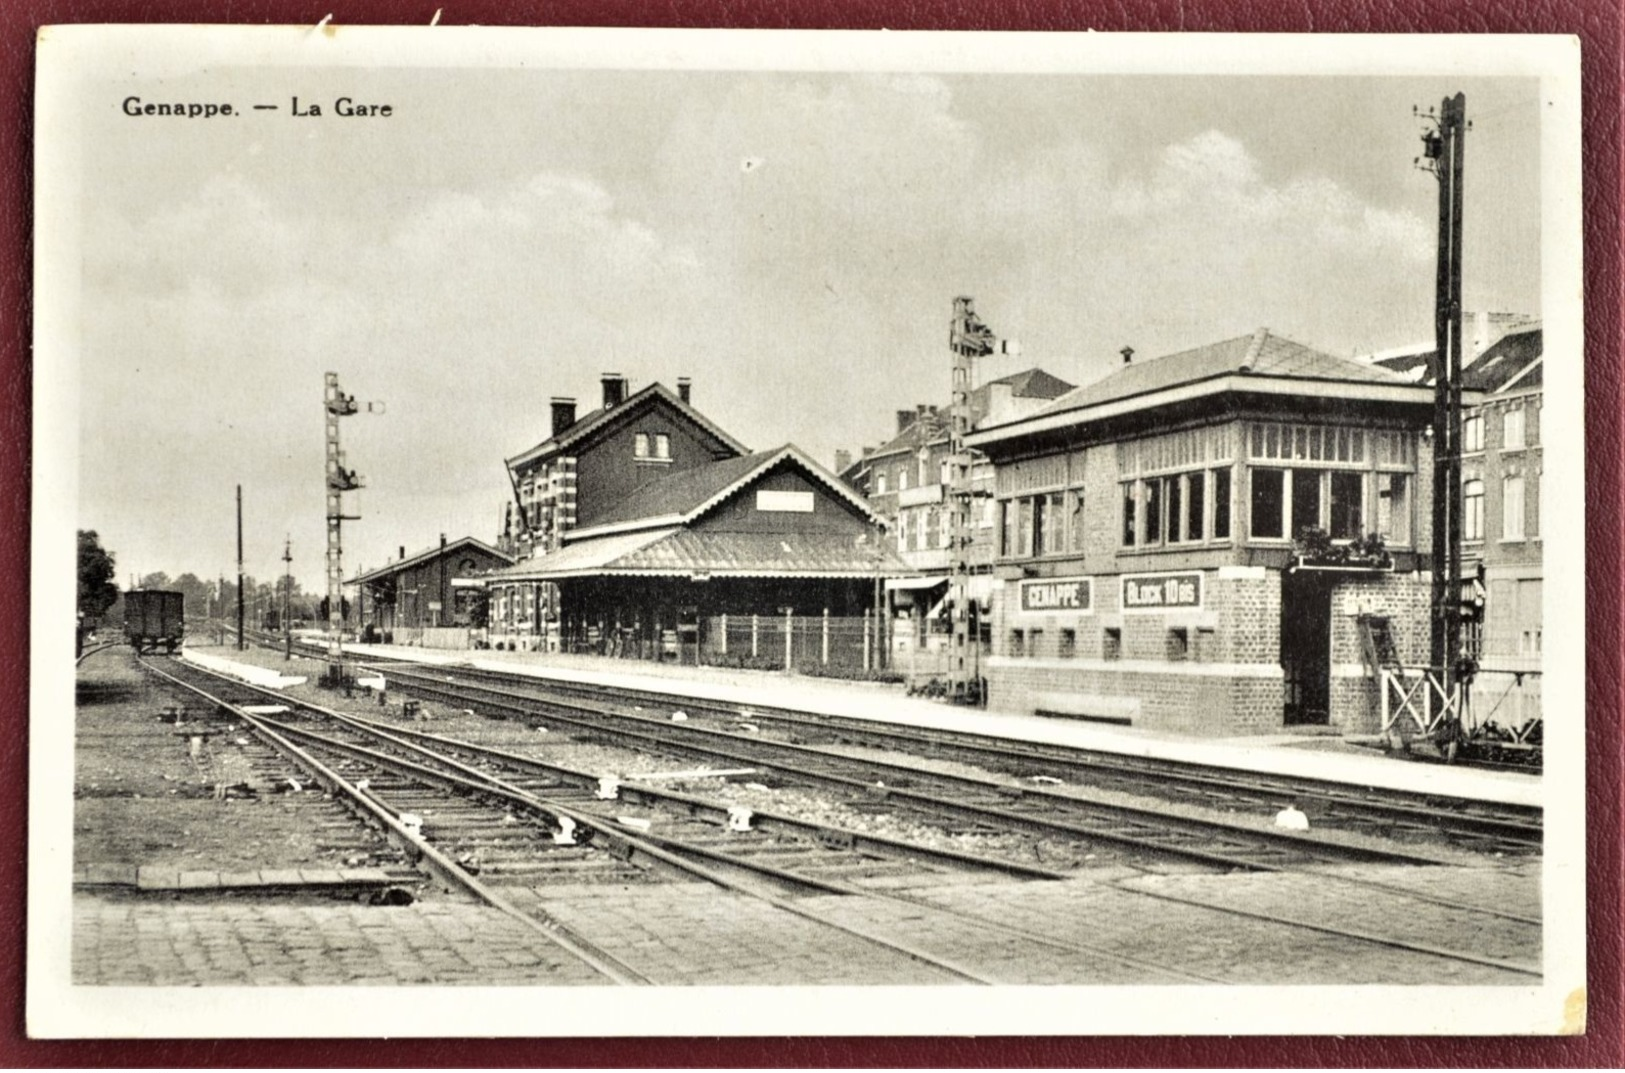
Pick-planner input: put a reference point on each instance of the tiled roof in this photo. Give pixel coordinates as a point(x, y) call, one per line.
point(679, 492)
point(683, 496)
point(684, 552)
point(1259, 354)
point(1499, 365)
point(1032, 383)
point(427, 556)
point(600, 418)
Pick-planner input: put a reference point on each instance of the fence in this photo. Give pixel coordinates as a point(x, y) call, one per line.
point(453, 637)
point(834, 645)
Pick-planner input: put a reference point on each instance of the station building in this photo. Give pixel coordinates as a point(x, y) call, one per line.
point(1193, 542)
point(415, 596)
point(763, 560)
point(645, 531)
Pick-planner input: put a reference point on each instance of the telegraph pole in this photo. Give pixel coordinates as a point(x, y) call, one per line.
point(1444, 151)
point(287, 597)
point(240, 643)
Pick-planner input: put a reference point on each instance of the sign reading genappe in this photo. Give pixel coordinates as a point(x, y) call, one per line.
point(1058, 594)
point(1160, 592)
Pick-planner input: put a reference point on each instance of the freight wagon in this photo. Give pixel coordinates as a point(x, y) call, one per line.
point(154, 619)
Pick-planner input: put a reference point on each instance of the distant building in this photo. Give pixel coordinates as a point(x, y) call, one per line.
point(1184, 544)
point(905, 481)
point(427, 590)
point(1501, 470)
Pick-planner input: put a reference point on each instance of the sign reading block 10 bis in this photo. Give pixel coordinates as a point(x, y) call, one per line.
point(1162, 592)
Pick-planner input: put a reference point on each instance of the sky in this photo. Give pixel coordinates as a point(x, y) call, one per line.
point(792, 242)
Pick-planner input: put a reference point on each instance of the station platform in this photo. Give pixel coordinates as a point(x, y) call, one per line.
point(1302, 755)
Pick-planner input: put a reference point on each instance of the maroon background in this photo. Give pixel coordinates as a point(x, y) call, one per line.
point(1598, 24)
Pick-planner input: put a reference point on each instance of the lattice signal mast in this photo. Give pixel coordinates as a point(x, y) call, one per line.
point(339, 481)
point(969, 339)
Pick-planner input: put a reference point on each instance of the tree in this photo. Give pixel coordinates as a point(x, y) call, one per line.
point(197, 594)
point(156, 580)
point(96, 589)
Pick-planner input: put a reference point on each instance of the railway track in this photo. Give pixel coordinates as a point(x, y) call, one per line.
point(1389, 814)
point(410, 764)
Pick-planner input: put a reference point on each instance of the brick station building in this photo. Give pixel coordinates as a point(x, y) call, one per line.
point(1184, 544)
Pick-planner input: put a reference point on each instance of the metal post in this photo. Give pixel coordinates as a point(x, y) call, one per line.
point(287, 598)
point(824, 654)
point(789, 636)
point(240, 642)
point(969, 339)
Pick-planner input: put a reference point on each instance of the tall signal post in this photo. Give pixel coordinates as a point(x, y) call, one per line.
point(969, 339)
point(339, 480)
point(287, 598)
point(1444, 146)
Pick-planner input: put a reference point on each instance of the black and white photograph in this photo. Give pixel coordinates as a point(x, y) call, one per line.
point(859, 533)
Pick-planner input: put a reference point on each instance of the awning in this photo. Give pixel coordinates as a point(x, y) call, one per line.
point(896, 584)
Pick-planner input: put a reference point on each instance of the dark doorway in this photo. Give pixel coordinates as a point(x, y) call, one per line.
point(1306, 648)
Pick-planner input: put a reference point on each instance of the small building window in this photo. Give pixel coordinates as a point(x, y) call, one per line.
point(1472, 514)
point(1512, 430)
point(1018, 643)
point(902, 479)
point(1512, 508)
point(640, 445)
point(1394, 508)
point(1348, 505)
point(1306, 493)
point(1068, 646)
point(1111, 643)
point(880, 483)
point(1074, 524)
point(1221, 504)
point(1195, 507)
point(1179, 644)
point(1007, 544)
point(1268, 503)
point(1176, 511)
point(1131, 514)
point(662, 445)
point(1035, 643)
point(1153, 512)
point(1472, 434)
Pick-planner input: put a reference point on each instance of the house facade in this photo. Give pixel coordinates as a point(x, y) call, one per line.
point(426, 591)
point(1188, 545)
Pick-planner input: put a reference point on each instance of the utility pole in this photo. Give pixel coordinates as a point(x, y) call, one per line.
point(1444, 150)
point(240, 643)
point(287, 597)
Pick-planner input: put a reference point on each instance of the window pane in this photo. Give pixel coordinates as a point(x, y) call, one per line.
point(1472, 515)
point(1075, 528)
point(1513, 428)
point(1176, 519)
point(1221, 504)
point(1055, 515)
point(1196, 507)
point(1040, 524)
point(1472, 434)
point(1393, 508)
point(1024, 527)
point(1153, 511)
point(1272, 443)
point(662, 445)
point(640, 445)
point(1512, 508)
point(1130, 515)
point(1348, 505)
point(1008, 544)
point(1306, 496)
point(1269, 489)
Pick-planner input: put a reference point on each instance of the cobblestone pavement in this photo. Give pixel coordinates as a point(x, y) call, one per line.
point(136, 941)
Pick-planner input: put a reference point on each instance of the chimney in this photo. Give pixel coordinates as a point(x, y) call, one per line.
point(1128, 354)
point(564, 414)
point(1001, 402)
point(1254, 349)
point(403, 553)
point(905, 418)
point(843, 461)
point(614, 389)
point(685, 389)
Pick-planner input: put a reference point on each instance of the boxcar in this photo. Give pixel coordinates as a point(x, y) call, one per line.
point(154, 619)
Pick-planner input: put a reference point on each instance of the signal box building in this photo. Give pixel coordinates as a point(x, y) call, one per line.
point(1193, 542)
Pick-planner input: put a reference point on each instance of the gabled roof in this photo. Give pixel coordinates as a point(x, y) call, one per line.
point(601, 419)
point(1032, 383)
point(933, 427)
point(686, 553)
point(1511, 362)
point(429, 556)
point(1261, 363)
point(682, 497)
point(1505, 364)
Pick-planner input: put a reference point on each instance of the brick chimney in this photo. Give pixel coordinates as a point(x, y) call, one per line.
point(685, 389)
point(564, 414)
point(843, 461)
point(614, 389)
point(905, 418)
